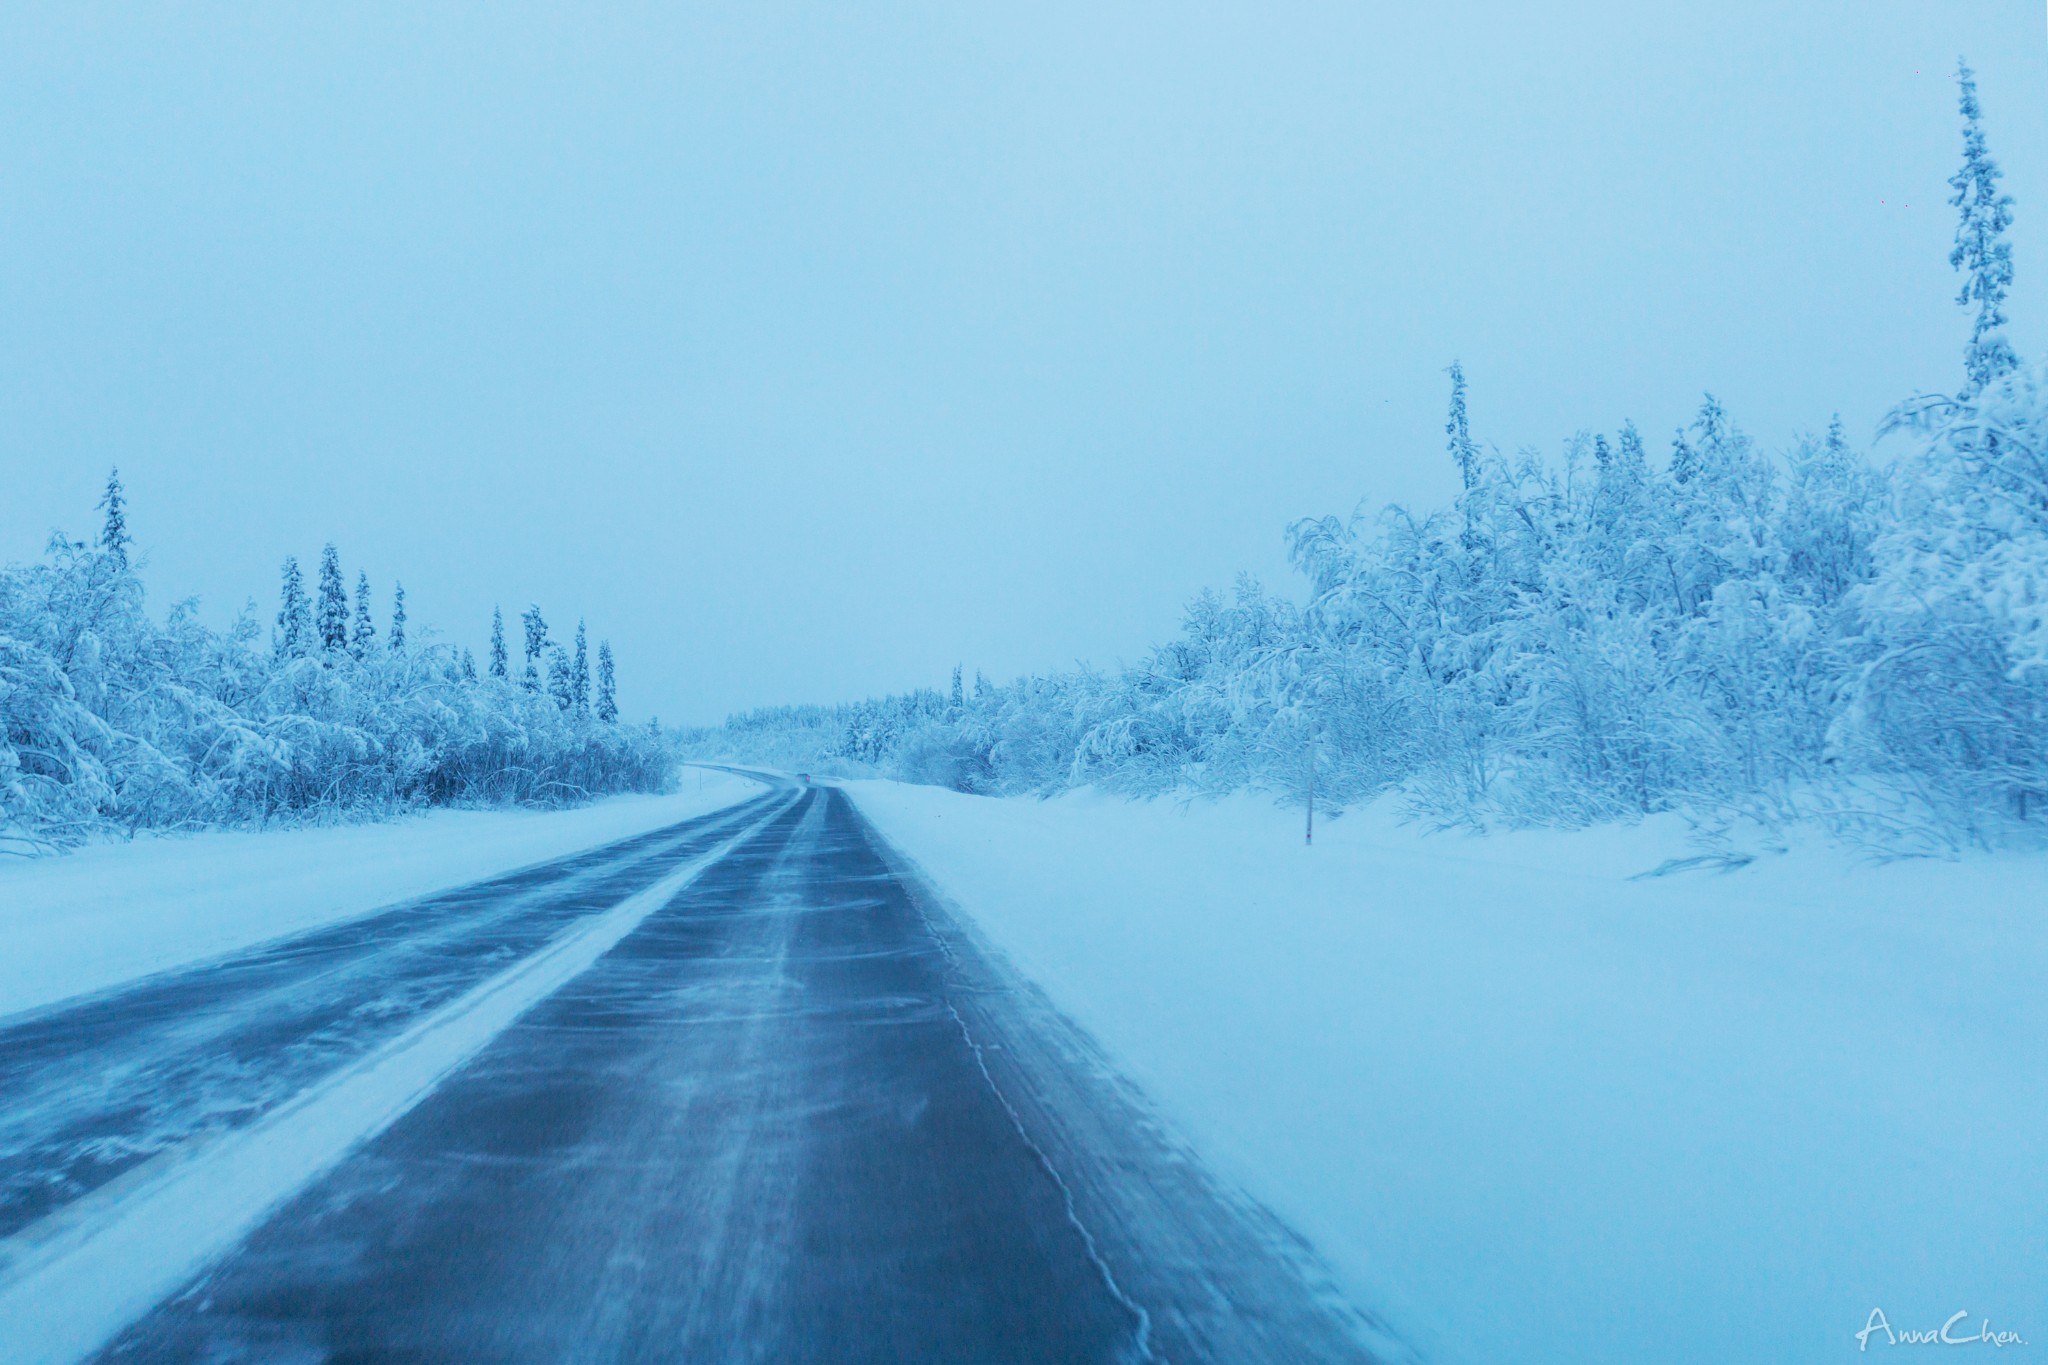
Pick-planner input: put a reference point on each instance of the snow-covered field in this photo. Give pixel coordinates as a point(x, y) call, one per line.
point(1537, 1111)
point(112, 912)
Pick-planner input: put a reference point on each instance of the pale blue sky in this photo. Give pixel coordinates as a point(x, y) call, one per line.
point(808, 350)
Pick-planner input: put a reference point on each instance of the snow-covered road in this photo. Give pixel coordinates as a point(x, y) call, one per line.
point(92, 1089)
point(785, 1109)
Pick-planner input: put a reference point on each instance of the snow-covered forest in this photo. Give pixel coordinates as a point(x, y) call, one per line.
point(1828, 630)
point(112, 721)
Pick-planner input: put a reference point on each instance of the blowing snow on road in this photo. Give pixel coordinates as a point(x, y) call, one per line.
point(792, 1111)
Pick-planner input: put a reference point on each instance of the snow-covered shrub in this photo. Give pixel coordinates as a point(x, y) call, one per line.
point(1949, 688)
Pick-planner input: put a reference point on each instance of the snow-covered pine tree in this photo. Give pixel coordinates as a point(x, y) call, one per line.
point(536, 645)
point(1631, 465)
point(579, 675)
point(561, 686)
point(1715, 509)
point(1463, 453)
point(1823, 535)
point(1981, 251)
point(114, 538)
point(333, 612)
point(294, 614)
point(398, 618)
point(607, 685)
point(362, 637)
point(1623, 473)
point(500, 665)
point(468, 665)
point(1712, 425)
point(957, 700)
point(1685, 461)
point(1615, 545)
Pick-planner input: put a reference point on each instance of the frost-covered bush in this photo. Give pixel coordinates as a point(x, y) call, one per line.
point(1949, 689)
point(113, 721)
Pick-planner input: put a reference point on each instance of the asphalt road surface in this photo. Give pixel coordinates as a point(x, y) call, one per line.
point(800, 1113)
point(92, 1089)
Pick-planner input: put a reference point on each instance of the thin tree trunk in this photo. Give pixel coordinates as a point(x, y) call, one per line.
point(1309, 837)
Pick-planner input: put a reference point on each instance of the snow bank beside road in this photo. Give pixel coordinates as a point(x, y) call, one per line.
point(110, 913)
point(1537, 1111)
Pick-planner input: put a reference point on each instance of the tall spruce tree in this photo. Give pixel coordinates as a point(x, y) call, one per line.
point(468, 665)
point(362, 637)
point(607, 685)
point(1981, 251)
point(536, 645)
point(114, 539)
point(1685, 461)
point(1837, 442)
point(398, 618)
point(333, 611)
point(1463, 454)
point(1624, 473)
point(294, 614)
point(500, 664)
point(579, 675)
point(1630, 463)
point(1711, 444)
point(561, 684)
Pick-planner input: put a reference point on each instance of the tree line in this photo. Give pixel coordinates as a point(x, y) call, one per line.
point(111, 721)
point(332, 629)
point(1596, 634)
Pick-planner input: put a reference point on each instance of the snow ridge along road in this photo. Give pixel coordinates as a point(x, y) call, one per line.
point(107, 915)
point(210, 1094)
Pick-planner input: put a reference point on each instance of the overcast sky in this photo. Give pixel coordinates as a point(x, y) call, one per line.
point(809, 349)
